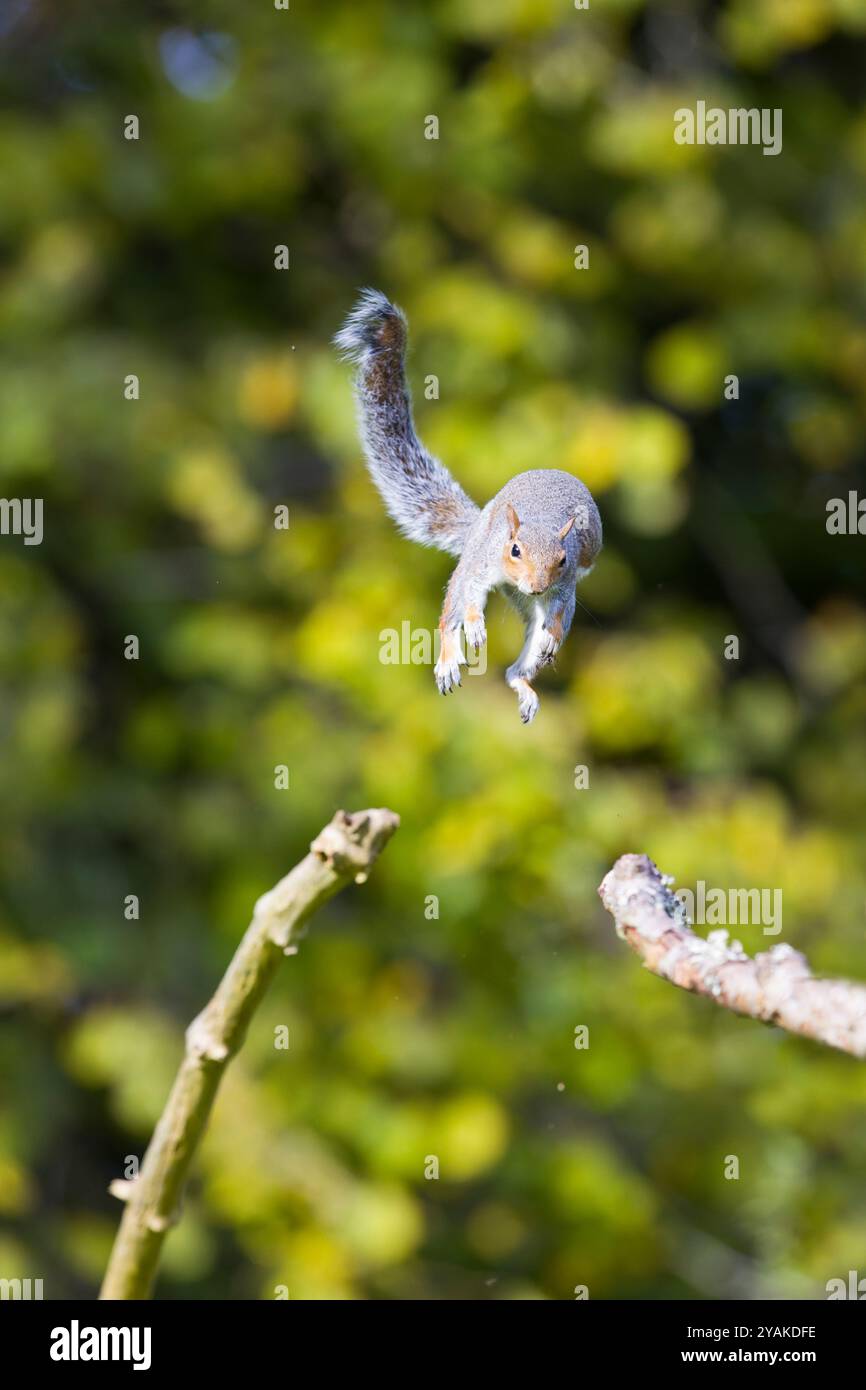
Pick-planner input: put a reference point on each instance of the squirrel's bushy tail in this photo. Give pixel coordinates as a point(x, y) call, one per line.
point(421, 496)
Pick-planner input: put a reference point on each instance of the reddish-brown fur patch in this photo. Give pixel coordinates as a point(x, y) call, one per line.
point(553, 623)
point(450, 644)
point(391, 332)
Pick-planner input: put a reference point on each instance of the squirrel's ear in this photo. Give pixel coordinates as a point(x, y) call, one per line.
point(513, 519)
point(567, 527)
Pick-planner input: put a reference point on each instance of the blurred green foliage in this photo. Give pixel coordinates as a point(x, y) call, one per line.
point(411, 1035)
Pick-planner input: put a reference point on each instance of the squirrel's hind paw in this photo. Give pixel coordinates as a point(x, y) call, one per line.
point(447, 676)
point(447, 669)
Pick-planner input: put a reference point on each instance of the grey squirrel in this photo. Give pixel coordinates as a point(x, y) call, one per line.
point(535, 539)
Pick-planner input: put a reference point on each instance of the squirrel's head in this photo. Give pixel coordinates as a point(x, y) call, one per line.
point(534, 557)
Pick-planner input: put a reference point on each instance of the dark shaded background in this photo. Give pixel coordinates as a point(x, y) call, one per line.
point(413, 1035)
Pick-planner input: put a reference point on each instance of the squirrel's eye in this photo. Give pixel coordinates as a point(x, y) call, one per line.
point(515, 550)
point(561, 560)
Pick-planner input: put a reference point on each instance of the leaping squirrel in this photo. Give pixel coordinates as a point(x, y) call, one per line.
point(535, 539)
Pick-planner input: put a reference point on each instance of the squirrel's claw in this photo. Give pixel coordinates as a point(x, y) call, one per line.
point(447, 677)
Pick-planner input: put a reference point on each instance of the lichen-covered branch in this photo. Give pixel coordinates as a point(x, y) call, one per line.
point(775, 986)
point(344, 851)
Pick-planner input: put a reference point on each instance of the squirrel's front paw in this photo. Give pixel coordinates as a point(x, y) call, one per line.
point(527, 700)
point(447, 669)
point(473, 626)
